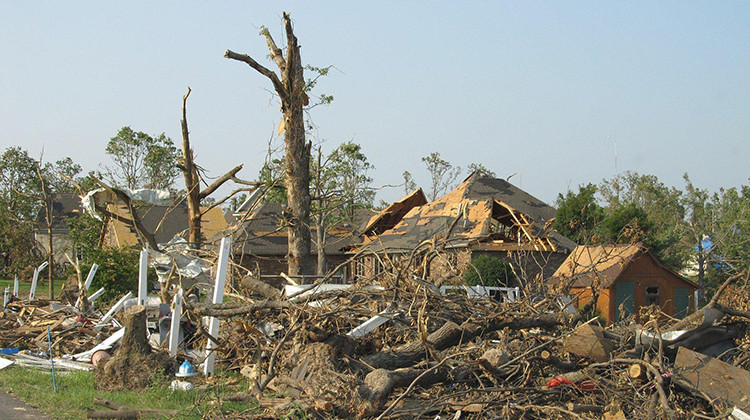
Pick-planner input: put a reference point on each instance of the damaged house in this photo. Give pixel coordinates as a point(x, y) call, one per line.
point(482, 216)
point(65, 206)
point(261, 243)
point(163, 221)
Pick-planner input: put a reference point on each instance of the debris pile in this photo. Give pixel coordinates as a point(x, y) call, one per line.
point(24, 325)
point(459, 356)
point(398, 346)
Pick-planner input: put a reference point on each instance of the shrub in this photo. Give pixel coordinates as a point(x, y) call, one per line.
point(486, 270)
point(117, 273)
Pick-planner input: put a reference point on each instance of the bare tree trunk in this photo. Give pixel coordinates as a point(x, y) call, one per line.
point(291, 91)
point(320, 233)
point(50, 259)
point(192, 182)
point(701, 271)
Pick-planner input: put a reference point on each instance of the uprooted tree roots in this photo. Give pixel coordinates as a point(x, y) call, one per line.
point(133, 366)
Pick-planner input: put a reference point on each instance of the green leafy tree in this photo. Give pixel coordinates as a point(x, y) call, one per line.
point(341, 187)
point(442, 174)
point(486, 270)
point(20, 187)
point(578, 214)
point(663, 207)
point(64, 175)
point(478, 167)
point(732, 230)
point(409, 184)
point(20, 192)
point(141, 160)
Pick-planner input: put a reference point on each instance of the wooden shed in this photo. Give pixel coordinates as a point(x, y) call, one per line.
point(628, 276)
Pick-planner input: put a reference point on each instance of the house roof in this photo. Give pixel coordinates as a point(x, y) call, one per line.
point(262, 233)
point(164, 221)
point(603, 264)
point(472, 212)
point(389, 216)
point(64, 206)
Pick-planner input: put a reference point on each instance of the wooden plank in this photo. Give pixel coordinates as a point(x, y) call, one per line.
point(724, 384)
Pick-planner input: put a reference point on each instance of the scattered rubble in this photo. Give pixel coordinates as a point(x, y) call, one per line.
point(398, 347)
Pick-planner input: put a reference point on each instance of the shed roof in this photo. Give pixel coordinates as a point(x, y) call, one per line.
point(603, 264)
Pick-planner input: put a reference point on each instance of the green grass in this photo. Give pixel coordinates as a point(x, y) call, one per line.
point(76, 392)
point(42, 287)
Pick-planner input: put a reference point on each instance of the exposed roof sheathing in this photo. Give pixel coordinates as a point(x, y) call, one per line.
point(474, 203)
point(388, 217)
point(164, 221)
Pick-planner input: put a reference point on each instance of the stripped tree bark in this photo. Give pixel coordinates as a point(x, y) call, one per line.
point(291, 90)
point(192, 181)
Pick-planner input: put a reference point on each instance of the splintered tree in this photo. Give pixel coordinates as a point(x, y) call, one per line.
point(190, 171)
point(291, 90)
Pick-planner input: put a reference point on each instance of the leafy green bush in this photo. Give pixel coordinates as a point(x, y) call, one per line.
point(117, 273)
point(486, 270)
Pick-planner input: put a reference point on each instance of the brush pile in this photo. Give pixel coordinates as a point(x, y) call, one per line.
point(456, 356)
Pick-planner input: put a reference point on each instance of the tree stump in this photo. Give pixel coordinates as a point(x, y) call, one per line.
point(134, 340)
point(134, 365)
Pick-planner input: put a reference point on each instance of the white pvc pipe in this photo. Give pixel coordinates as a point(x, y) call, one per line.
point(94, 296)
point(213, 322)
point(15, 286)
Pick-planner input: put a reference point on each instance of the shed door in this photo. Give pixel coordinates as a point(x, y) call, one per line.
point(681, 303)
point(624, 295)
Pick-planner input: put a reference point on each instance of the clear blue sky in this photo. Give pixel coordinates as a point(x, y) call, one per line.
point(548, 90)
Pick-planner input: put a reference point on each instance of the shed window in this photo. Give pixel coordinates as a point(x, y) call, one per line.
point(652, 295)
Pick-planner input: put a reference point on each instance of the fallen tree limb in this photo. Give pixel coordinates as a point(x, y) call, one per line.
point(698, 315)
point(451, 334)
point(264, 289)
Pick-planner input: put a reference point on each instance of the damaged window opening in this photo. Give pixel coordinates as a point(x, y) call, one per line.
point(652, 295)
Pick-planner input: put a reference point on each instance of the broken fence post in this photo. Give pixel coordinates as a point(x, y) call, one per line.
point(32, 292)
point(15, 286)
point(113, 310)
point(142, 277)
point(174, 327)
point(6, 297)
point(96, 295)
point(90, 277)
point(213, 322)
